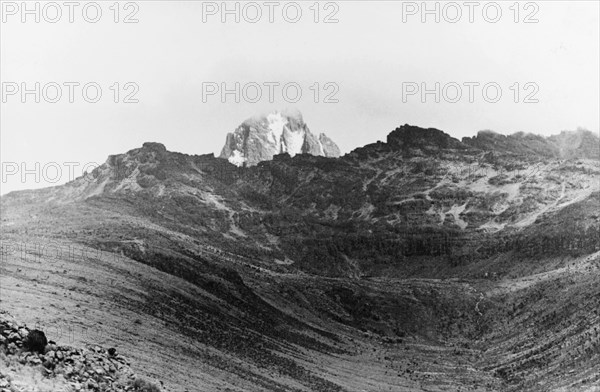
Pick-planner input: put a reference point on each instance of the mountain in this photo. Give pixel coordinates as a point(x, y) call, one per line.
point(579, 144)
point(567, 145)
point(260, 138)
point(418, 263)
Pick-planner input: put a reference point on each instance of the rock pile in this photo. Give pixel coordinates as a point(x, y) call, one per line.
point(91, 369)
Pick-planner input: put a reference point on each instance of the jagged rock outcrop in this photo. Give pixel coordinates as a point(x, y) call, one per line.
point(421, 141)
point(260, 138)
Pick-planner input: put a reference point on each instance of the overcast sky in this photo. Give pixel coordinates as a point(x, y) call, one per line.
point(375, 51)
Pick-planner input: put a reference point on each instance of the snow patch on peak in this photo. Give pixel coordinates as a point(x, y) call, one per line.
point(321, 149)
point(276, 123)
point(294, 142)
point(237, 158)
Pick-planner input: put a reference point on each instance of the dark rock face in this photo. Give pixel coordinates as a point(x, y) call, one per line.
point(259, 139)
point(157, 147)
point(422, 141)
point(36, 341)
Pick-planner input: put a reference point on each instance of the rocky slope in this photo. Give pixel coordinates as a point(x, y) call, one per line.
point(260, 138)
point(55, 367)
point(418, 263)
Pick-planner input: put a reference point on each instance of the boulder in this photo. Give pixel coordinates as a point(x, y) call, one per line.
point(36, 341)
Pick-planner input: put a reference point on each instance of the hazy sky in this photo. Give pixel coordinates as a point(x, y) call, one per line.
point(371, 54)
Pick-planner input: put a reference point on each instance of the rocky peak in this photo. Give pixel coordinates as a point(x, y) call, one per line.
point(156, 147)
point(329, 147)
point(261, 137)
point(577, 144)
point(422, 141)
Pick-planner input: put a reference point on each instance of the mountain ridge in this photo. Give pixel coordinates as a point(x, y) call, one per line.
point(412, 264)
point(419, 181)
point(566, 145)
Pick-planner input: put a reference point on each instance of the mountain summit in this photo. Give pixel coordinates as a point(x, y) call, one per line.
point(260, 138)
